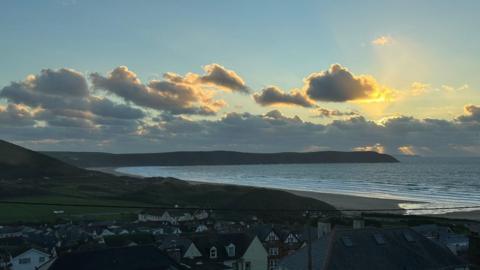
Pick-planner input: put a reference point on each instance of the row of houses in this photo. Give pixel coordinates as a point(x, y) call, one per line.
point(232, 245)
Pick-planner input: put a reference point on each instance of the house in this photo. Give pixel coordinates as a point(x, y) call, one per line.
point(125, 258)
point(457, 243)
point(373, 248)
point(280, 241)
point(201, 215)
point(8, 232)
point(237, 250)
point(201, 228)
point(156, 216)
point(178, 248)
point(29, 260)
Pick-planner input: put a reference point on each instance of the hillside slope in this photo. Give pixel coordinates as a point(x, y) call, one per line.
point(19, 162)
point(95, 159)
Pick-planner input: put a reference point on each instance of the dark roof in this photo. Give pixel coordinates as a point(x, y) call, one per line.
point(374, 248)
point(172, 241)
point(205, 242)
point(126, 258)
point(199, 264)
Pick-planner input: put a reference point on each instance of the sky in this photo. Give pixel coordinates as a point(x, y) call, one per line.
point(399, 77)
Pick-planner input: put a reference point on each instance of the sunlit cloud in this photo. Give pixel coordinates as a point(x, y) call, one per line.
point(453, 89)
point(419, 88)
point(382, 41)
point(338, 84)
point(407, 150)
point(376, 148)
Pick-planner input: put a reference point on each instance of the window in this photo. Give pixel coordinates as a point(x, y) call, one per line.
point(231, 250)
point(272, 236)
point(379, 239)
point(248, 266)
point(291, 239)
point(347, 241)
point(24, 261)
point(273, 251)
point(272, 264)
point(41, 259)
point(213, 253)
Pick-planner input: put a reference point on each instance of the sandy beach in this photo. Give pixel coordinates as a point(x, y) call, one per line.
point(339, 201)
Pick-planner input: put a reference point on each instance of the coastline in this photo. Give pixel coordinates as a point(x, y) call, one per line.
point(339, 201)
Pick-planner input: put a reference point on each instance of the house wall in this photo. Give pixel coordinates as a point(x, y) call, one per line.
point(34, 257)
point(192, 252)
point(256, 255)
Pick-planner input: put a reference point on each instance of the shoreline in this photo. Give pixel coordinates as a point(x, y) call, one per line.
point(339, 201)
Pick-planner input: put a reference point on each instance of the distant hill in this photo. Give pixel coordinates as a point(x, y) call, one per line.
point(96, 159)
point(19, 162)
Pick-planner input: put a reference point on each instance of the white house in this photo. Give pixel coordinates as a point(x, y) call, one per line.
point(201, 228)
point(165, 217)
point(29, 260)
point(7, 232)
point(238, 251)
point(201, 215)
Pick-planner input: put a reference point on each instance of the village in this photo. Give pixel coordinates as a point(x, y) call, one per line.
point(204, 239)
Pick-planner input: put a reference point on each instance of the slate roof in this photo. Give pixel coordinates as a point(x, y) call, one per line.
point(205, 242)
point(175, 242)
point(374, 248)
point(126, 258)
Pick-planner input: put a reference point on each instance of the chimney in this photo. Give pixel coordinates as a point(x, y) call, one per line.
point(323, 228)
point(358, 223)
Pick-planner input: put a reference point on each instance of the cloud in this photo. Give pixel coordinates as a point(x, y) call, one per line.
point(382, 41)
point(107, 108)
point(171, 95)
point(338, 84)
point(62, 98)
point(131, 116)
point(273, 95)
point(326, 113)
point(419, 88)
point(270, 132)
point(375, 148)
point(472, 114)
point(407, 150)
point(218, 75)
point(16, 115)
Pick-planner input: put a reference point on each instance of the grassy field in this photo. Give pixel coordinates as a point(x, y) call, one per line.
point(125, 191)
point(14, 213)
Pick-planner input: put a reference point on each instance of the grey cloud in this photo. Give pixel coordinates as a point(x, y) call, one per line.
point(220, 76)
point(270, 132)
point(166, 95)
point(326, 113)
point(14, 115)
point(472, 114)
point(62, 82)
point(50, 119)
point(273, 95)
point(339, 85)
point(62, 98)
point(107, 108)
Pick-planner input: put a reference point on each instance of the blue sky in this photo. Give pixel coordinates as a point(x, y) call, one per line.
point(280, 43)
point(268, 42)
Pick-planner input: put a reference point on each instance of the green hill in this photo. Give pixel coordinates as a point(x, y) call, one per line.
point(19, 162)
point(47, 180)
point(185, 158)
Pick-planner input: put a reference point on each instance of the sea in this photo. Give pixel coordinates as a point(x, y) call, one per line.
point(421, 181)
